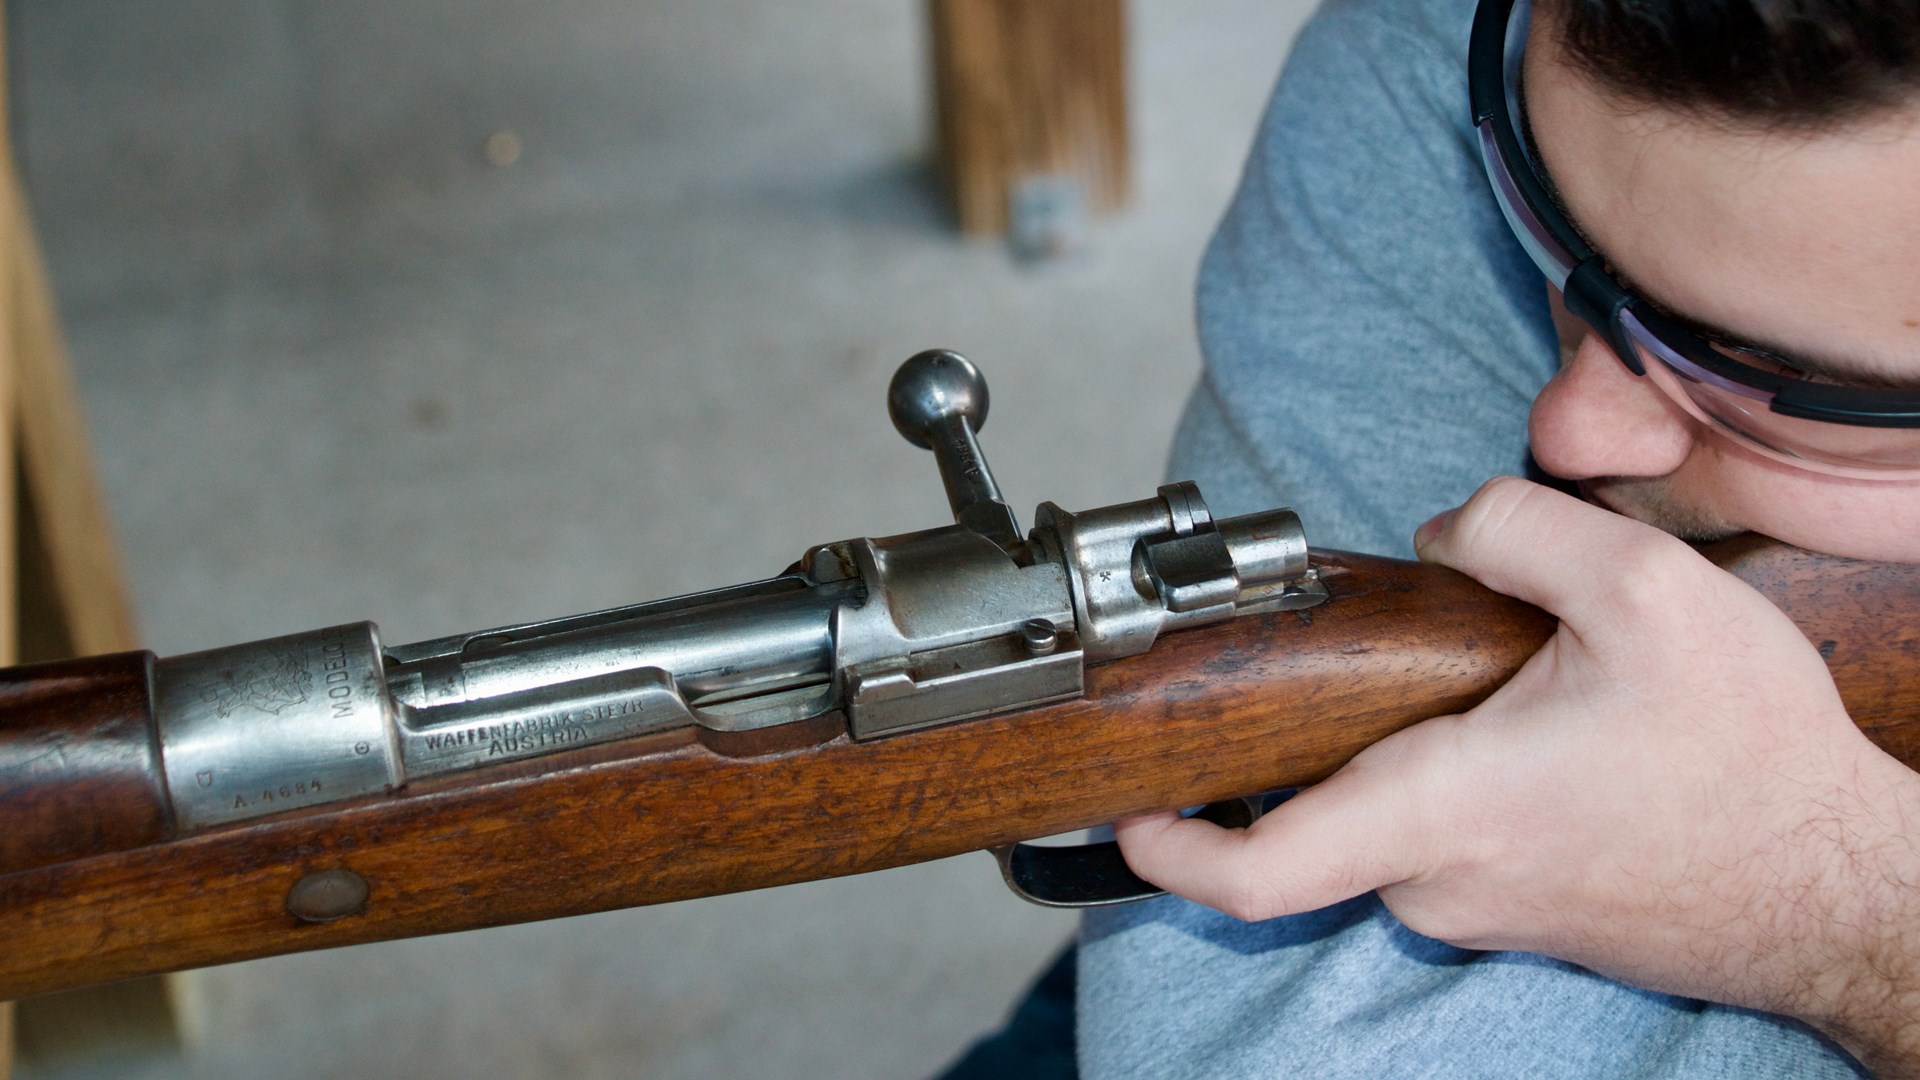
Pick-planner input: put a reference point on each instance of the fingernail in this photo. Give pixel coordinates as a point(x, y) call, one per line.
point(1435, 525)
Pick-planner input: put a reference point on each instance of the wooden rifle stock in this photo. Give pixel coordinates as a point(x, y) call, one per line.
point(93, 887)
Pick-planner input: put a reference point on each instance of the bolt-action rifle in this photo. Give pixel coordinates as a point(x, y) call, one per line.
point(883, 701)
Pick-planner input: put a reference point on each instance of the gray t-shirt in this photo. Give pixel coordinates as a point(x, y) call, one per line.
point(1373, 338)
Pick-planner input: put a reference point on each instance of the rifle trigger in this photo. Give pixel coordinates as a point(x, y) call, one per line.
point(1095, 875)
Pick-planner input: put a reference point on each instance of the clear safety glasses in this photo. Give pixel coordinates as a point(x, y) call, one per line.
point(1750, 395)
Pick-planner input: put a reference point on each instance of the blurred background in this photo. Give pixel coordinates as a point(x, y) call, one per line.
point(453, 313)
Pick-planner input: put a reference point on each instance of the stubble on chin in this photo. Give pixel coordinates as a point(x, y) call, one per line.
point(1651, 500)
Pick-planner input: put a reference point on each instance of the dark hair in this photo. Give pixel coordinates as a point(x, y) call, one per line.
point(1776, 63)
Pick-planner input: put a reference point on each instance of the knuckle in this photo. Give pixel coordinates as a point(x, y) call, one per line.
point(1494, 508)
point(1508, 488)
point(1652, 576)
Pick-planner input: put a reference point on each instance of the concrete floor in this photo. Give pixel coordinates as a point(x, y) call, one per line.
point(340, 366)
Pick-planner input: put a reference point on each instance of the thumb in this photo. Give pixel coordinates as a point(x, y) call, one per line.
point(1547, 548)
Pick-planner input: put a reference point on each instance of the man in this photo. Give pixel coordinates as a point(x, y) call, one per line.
point(1670, 794)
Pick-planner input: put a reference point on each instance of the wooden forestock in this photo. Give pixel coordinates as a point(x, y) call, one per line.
point(1261, 702)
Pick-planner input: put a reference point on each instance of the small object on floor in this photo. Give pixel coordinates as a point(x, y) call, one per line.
point(503, 148)
point(1049, 217)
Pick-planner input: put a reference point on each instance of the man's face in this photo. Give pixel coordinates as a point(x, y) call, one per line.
point(1809, 243)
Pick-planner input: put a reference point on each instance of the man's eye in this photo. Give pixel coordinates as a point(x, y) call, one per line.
point(1769, 362)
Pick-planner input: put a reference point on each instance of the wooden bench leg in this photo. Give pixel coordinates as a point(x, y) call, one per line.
point(1031, 105)
point(54, 529)
point(56, 459)
point(9, 648)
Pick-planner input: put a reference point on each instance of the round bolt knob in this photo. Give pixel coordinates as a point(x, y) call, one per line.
point(931, 387)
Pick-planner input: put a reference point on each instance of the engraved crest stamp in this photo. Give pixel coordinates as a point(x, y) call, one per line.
point(267, 682)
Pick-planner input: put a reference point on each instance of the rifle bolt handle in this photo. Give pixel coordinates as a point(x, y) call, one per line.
point(932, 387)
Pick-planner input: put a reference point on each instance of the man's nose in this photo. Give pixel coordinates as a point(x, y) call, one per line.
point(1596, 418)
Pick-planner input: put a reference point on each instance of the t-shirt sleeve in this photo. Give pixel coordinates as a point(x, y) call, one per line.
point(1372, 335)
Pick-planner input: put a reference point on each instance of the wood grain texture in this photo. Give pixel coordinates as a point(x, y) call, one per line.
point(79, 765)
point(1264, 701)
point(1028, 88)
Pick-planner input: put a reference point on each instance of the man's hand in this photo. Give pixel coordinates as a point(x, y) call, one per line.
point(1669, 792)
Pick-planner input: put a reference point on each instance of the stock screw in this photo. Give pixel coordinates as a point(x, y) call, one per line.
point(1039, 636)
point(325, 895)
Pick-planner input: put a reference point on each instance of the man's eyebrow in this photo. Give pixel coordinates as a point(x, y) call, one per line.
point(1842, 372)
point(1845, 373)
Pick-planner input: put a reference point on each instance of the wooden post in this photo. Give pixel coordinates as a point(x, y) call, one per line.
point(59, 571)
point(1030, 93)
point(86, 588)
point(64, 593)
point(9, 561)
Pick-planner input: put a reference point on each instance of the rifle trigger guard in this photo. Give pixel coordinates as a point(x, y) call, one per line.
point(1095, 875)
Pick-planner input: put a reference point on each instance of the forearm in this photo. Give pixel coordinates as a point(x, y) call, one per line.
point(1868, 998)
point(1883, 1028)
